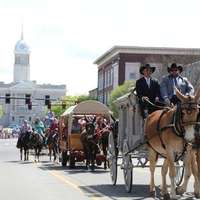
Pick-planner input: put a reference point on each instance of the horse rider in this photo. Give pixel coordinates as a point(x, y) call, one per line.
point(148, 89)
point(101, 126)
point(172, 80)
point(53, 129)
point(26, 128)
point(39, 128)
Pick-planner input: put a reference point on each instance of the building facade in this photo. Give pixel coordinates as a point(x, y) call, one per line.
point(122, 63)
point(17, 111)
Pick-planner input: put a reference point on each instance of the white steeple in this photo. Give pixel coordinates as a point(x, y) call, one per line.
point(21, 66)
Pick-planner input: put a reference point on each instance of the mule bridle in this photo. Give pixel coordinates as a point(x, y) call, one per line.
point(177, 124)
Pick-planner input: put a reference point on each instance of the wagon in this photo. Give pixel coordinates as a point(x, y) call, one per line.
point(130, 146)
point(69, 136)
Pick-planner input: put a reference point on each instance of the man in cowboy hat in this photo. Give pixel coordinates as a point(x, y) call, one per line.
point(148, 89)
point(172, 80)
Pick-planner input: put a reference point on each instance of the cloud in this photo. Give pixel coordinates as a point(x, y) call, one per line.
point(65, 37)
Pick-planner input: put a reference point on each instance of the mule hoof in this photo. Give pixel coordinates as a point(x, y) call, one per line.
point(197, 195)
point(152, 194)
point(166, 196)
point(179, 191)
point(92, 168)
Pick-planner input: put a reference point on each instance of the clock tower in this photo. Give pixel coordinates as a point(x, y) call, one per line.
point(21, 65)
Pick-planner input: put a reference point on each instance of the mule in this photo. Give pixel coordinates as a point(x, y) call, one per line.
point(37, 143)
point(168, 131)
point(192, 164)
point(23, 143)
point(90, 146)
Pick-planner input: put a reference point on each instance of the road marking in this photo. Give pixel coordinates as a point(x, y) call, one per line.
point(93, 194)
point(90, 192)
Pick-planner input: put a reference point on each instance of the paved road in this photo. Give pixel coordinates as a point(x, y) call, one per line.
point(49, 181)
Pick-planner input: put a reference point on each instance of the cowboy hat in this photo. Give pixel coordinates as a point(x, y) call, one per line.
point(174, 66)
point(146, 66)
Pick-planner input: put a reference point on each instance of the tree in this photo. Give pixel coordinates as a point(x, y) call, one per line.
point(69, 101)
point(118, 92)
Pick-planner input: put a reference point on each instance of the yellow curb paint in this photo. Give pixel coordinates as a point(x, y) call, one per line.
point(74, 185)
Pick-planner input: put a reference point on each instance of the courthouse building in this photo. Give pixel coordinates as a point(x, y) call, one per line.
point(16, 111)
point(122, 63)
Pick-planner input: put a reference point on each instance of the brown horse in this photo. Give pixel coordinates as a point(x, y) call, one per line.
point(168, 131)
point(52, 143)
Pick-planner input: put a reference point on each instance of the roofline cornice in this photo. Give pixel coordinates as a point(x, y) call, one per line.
point(145, 50)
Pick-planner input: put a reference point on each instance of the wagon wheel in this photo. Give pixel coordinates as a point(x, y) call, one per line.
point(112, 159)
point(180, 168)
point(127, 168)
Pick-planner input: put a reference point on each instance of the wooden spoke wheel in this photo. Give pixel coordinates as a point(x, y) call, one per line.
point(180, 168)
point(112, 158)
point(127, 168)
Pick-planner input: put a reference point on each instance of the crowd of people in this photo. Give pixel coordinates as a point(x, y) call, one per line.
point(150, 92)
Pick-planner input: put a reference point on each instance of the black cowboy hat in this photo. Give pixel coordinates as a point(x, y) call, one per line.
point(174, 66)
point(145, 67)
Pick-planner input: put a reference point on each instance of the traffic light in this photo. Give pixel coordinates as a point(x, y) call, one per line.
point(30, 106)
point(7, 99)
point(47, 100)
point(49, 105)
point(27, 99)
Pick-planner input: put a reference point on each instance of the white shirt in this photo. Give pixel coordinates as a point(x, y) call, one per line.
point(148, 81)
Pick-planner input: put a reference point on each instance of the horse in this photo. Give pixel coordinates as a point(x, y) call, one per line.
point(37, 142)
point(90, 146)
point(52, 143)
point(192, 164)
point(23, 143)
point(168, 132)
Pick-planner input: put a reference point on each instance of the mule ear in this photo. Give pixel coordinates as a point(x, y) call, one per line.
point(197, 95)
point(179, 95)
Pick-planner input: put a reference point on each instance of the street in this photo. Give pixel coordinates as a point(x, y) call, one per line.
point(28, 180)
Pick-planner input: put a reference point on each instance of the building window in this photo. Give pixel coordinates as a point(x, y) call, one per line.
point(105, 97)
point(29, 119)
point(100, 98)
point(132, 76)
point(13, 118)
point(100, 81)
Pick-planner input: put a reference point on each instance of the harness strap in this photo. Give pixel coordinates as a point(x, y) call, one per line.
point(160, 130)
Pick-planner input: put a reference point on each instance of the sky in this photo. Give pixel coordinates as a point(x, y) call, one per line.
point(66, 36)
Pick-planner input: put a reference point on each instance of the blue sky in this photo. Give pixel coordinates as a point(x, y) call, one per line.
point(66, 36)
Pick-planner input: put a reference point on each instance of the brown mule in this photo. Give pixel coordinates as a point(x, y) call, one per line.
point(192, 164)
point(168, 131)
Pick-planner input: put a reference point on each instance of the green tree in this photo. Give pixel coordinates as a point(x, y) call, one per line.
point(69, 101)
point(118, 92)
